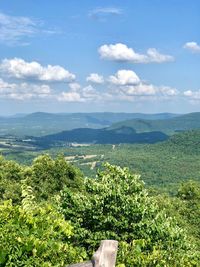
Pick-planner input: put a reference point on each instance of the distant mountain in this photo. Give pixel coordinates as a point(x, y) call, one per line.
point(18, 115)
point(100, 136)
point(129, 131)
point(172, 125)
point(41, 123)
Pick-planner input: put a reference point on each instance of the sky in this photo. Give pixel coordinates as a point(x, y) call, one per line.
point(97, 55)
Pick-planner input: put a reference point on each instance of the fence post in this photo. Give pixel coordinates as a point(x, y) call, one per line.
point(105, 256)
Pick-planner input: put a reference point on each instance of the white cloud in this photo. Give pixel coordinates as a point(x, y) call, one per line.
point(193, 95)
point(154, 56)
point(168, 91)
point(95, 78)
point(74, 86)
point(85, 94)
point(120, 52)
point(102, 12)
point(6, 87)
point(126, 85)
point(70, 97)
point(139, 90)
point(124, 77)
point(14, 29)
point(23, 91)
point(90, 93)
point(188, 93)
point(20, 69)
point(192, 46)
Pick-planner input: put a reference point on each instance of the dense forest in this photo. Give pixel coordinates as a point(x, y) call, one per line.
point(51, 216)
point(162, 166)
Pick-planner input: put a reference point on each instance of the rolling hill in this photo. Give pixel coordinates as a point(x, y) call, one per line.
point(41, 123)
point(129, 131)
point(100, 136)
point(172, 125)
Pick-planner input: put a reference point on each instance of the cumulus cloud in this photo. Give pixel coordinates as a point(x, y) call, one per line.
point(193, 95)
point(85, 94)
point(23, 91)
point(192, 46)
point(70, 97)
point(120, 52)
point(95, 78)
point(90, 93)
point(14, 29)
point(20, 69)
point(124, 77)
point(74, 86)
point(139, 90)
point(168, 91)
point(124, 85)
point(128, 86)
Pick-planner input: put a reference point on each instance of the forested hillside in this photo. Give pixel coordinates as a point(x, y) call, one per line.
point(99, 136)
point(130, 131)
point(163, 165)
point(181, 123)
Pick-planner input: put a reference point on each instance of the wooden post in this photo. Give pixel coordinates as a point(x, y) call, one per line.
point(105, 256)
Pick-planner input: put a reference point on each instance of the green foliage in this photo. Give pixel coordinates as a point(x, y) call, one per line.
point(46, 176)
point(10, 176)
point(185, 207)
point(34, 234)
point(189, 210)
point(189, 191)
point(117, 206)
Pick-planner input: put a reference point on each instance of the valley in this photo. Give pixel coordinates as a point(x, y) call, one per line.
point(163, 163)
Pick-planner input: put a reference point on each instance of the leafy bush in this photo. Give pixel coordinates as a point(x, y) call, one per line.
point(116, 205)
point(10, 177)
point(34, 234)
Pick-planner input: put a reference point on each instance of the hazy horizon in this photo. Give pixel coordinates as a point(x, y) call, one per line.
point(117, 112)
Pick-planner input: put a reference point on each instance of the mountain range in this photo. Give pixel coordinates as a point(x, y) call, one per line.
point(128, 131)
point(41, 123)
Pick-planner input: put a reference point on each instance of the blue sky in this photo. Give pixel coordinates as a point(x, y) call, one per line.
point(85, 56)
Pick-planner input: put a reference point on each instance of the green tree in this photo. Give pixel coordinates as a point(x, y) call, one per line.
point(116, 205)
point(46, 176)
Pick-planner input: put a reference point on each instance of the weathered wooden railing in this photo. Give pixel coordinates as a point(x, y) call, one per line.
point(105, 256)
